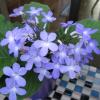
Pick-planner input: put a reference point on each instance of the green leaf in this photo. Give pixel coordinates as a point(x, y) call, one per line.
point(37, 5)
point(5, 58)
point(92, 24)
point(32, 86)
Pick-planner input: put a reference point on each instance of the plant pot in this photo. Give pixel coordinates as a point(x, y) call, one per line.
point(45, 89)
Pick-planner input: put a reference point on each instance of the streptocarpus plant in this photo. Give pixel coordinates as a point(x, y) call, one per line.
point(44, 52)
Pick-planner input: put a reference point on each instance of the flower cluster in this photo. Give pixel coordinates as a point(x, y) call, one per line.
point(45, 55)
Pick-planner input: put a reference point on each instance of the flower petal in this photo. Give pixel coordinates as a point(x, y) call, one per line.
point(53, 47)
point(24, 57)
point(16, 67)
point(44, 35)
point(12, 96)
point(4, 90)
point(52, 36)
point(41, 77)
point(22, 71)
point(8, 71)
point(38, 44)
point(4, 42)
point(29, 65)
point(44, 51)
point(55, 73)
point(21, 91)
point(20, 81)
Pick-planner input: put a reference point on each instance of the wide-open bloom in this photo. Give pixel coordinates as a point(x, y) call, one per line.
point(46, 43)
point(17, 12)
point(72, 68)
point(16, 73)
point(83, 32)
point(92, 46)
point(43, 72)
point(55, 66)
point(12, 89)
point(14, 41)
point(61, 53)
point(48, 17)
point(33, 57)
point(34, 11)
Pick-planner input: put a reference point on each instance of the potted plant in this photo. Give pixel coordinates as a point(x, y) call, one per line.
point(30, 56)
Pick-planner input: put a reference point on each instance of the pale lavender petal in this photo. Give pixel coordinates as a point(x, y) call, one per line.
point(37, 70)
point(9, 82)
point(53, 47)
point(24, 57)
point(44, 35)
point(43, 51)
point(52, 36)
point(22, 71)
point(8, 71)
point(41, 77)
point(45, 60)
point(4, 90)
point(96, 50)
point(49, 66)
point(48, 75)
point(72, 74)
point(64, 69)
point(50, 13)
point(4, 42)
point(29, 65)
point(12, 96)
point(20, 81)
point(55, 73)
point(21, 91)
point(16, 67)
point(38, 44)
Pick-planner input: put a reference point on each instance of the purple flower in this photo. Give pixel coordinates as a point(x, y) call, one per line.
point(33, 57)
point(27, 33)
point(34, 11)
point(43, 72)
point(12, 89)
point(56, 66)
point(14, 40)
point(17, 12)
point(84, 33)
point(46, 43)
point(76, 51)
point(48, 17)
point(72, 68)
point(16, 73)
point(93, 46)
point(68, 24)
point(61, 54)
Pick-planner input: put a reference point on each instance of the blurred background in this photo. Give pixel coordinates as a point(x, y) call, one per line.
point(63, 10)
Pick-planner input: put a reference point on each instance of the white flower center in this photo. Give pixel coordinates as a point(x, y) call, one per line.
point(16, 48)
point(91, 44)
point(37, 59)
point(14, 89)
point(85, 33)
point(77, 49)
point(57, 66)
point(11, 38)
point(62, 54)
point(46, 44)
point(16, 76)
